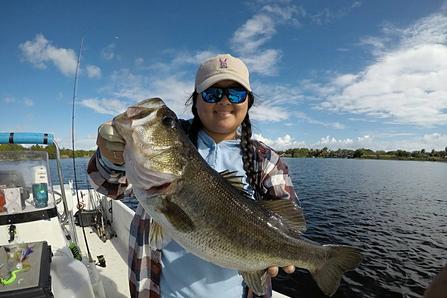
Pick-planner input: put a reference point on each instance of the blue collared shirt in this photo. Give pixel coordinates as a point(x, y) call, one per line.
point(186, 275)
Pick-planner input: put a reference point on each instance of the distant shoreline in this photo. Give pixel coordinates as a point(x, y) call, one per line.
point(420, 155)
point(370, 158)
point(51, 150)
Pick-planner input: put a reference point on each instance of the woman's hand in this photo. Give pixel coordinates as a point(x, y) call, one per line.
point(110, 143)
point(273, 271)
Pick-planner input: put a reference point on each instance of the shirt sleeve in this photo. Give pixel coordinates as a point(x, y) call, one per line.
point(107, 178)
point(275, 180)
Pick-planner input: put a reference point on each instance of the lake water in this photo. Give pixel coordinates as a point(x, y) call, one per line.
point(395, 211)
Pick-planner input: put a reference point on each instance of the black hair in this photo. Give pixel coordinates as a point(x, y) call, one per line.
point(247, 149)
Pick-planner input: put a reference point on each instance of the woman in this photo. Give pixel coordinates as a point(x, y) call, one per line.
point(221, 131)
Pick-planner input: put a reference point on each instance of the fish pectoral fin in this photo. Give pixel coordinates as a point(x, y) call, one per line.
point(177, 217)
point(157, 237)
point(255, 280)
point(289, 212)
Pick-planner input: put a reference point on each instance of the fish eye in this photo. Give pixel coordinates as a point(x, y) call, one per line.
point(168, 121)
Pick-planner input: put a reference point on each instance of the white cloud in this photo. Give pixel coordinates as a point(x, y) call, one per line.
point(263, 62)
point(254, 33)
point(40, 52)
point(274, 102)
point(126, 87)
point(429, 30)
point(105, 106)
point(428, 142)
point(9, 99)
point(268, 113)
point(277, 94)
point(139, 61)
point(125, 84)
point(406, 84)
point(376, 44)
point(249, 39)
point(326, 16)
point(280, 143)
point(308, 119)
point(184, 57)
point(436, 141)
point(81, 142)
point(344, 80)
point(175, 92)
point(88, 142)
point(28, 102)
point(108, 53)
point(333, 142)
point(93, 71)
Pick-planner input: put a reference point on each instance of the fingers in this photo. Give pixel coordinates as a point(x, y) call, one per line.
point(108, 132)
point(289, 269)
point(110, 143)
point(107, 151)
point(273, 271)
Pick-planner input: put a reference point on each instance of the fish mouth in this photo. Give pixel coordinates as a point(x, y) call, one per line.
point(144, 108)
point(139, 114)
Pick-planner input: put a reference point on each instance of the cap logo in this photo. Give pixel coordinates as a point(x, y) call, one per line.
point(223, 63)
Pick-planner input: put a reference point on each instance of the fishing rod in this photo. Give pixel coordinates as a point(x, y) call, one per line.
point(75, 89)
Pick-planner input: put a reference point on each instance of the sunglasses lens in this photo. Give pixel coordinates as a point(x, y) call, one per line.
point(237, 95)
point(212, 95)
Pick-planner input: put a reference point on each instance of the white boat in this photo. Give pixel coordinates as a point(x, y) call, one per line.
point(28, 225)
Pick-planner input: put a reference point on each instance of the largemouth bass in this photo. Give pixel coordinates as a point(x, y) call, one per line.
point(209, 213)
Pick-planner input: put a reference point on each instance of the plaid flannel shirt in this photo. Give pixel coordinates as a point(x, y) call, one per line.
point(273, 182)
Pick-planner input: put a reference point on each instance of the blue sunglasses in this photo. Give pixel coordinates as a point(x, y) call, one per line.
point(215, 94)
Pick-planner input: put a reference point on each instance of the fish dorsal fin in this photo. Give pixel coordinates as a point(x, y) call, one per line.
point(236, 181)
point(290, 213)
point(233, 178)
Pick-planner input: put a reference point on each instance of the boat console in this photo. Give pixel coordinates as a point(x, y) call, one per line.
point(38, 239)
point(26, 193)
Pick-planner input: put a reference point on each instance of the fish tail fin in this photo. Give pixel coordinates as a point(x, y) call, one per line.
point(340, 258)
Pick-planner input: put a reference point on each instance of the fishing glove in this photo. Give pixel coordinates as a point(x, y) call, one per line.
point(110, 143)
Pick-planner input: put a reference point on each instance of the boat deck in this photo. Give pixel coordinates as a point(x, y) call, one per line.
point(114, 276)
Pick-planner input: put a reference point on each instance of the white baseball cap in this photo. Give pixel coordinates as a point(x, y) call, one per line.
point(222, 67)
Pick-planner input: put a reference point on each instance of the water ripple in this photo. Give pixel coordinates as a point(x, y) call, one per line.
point(393, 211)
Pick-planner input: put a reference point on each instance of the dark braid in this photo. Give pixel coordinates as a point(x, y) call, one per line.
point(247, 151)
point(247, 147)
point(196, 124)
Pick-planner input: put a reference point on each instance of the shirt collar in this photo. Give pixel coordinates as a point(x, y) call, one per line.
point(208, 141)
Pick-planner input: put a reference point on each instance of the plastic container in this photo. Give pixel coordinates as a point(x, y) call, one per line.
point(70, 278)
point(40, 194)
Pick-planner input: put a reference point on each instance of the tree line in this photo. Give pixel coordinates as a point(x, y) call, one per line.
point(51, 150)
point(422, 154)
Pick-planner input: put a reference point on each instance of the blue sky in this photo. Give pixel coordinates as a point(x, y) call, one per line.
point(336, 74)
